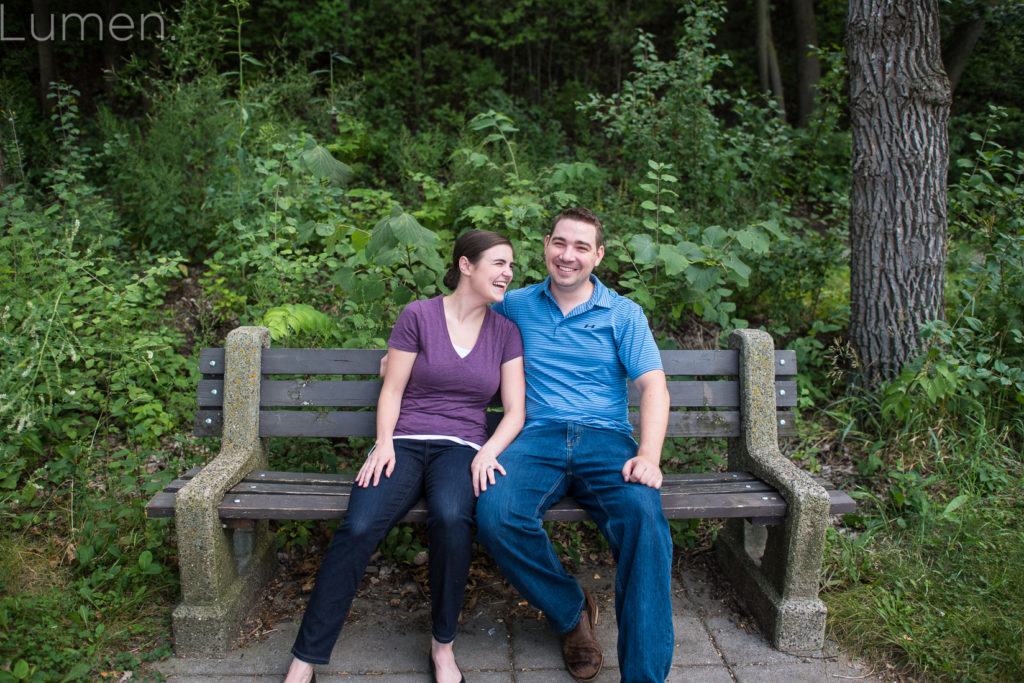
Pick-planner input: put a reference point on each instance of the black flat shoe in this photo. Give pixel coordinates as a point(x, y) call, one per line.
point(433, 670)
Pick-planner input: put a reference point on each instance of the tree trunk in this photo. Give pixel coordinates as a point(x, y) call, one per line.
point(111, 48)
point(808, 66)
point(767, 59)
point(44, 51)
point(961, 45)
point(899, 101)
point(5, 179)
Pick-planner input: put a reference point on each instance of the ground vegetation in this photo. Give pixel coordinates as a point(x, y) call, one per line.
point(305, 166)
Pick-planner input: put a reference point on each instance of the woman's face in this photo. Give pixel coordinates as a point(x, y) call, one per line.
point(491, 275)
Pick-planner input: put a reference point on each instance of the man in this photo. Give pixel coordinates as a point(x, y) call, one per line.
point(581, 342)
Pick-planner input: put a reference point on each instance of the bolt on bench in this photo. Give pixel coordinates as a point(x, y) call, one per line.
point(771, 546)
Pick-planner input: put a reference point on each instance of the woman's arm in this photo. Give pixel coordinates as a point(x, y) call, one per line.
point(389, 403)
point(513, 400)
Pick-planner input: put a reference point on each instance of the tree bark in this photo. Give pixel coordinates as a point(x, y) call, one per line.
point(44, 52)
point(899, 100)
point(767, 58)
point(5, 179)
point(808, 66)
point(961, 45)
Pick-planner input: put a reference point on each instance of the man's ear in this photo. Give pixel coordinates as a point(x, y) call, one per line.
point(600, 254)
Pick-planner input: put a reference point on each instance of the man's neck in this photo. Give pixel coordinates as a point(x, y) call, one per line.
point(567, 300)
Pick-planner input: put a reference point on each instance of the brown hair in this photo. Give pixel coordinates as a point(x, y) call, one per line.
point(470, 244)
point(584, 215)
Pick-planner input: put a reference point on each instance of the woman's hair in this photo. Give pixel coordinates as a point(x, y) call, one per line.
point(470, 244)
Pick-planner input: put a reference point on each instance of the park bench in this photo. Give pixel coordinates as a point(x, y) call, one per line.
point(770, 547)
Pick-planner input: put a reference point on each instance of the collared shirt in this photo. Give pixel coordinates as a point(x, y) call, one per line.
point(577, 365)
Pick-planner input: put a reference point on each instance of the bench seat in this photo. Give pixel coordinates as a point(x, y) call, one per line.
point(297, 495)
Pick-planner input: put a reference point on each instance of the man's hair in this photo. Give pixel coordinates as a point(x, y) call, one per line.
point(584, 215)
point(471, 244)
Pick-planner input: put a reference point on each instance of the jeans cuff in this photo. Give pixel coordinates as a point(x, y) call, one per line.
point(309, 660)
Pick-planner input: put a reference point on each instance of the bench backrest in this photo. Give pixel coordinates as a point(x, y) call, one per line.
point(329, 393)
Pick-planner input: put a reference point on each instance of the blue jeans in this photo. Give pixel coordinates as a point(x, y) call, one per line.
point(440, 471)
point(548, 461)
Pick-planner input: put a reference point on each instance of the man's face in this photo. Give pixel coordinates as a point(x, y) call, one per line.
point(571, 253)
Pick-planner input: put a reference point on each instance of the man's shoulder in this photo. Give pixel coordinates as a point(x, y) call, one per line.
point(617, 303)
point(500, 321)
point(522, 295)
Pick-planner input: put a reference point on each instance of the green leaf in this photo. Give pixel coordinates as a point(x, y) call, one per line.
point(753, 239)
point(675, 261)
point(320, 163)
point(954, 504)
point(77, 672)
point(740, 269)
point(85, 554)
point(145, 559)
point(713, 236)
point(644, 249)
point(701, 277)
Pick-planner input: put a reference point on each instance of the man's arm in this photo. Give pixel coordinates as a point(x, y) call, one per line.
point(645, 468)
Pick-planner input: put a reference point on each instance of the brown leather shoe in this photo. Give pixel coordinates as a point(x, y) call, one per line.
point(582, 653)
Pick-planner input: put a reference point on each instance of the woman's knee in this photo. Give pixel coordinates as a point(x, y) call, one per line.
point(451, 519)
point(363, 528)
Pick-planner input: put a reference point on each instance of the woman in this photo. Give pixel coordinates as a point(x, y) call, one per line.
point(446, 358)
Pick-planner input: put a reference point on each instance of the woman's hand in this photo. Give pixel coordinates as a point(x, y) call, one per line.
point(380, 459)
point(483, 468)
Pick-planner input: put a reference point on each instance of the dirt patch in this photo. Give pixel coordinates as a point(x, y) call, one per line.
point(404, 587)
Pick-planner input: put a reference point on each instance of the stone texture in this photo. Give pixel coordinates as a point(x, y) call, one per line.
point(217, 582)
point(780, 586)
point(381, 644)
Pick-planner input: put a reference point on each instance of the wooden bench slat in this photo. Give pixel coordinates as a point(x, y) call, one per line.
point(342, 486)
point(321, 361)
point(367, 362)
point(340, 423)
point(363, 393)
point(698, 363)
point(295, 495)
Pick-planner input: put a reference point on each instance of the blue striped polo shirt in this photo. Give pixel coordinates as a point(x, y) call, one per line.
point(577, 365)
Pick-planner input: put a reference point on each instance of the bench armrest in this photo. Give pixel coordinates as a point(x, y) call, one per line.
point(205, 555)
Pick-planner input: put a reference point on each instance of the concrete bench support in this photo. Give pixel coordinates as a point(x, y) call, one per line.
point(222, 571)
point(776, 569)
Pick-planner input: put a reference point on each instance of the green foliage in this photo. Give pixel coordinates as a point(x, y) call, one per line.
point(683, 268)
point(402, 544)
point(975, 365)
point(945, 594)
point(297, 320)
point(251, 188)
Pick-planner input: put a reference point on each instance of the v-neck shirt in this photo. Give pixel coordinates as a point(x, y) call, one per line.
point(448, 394)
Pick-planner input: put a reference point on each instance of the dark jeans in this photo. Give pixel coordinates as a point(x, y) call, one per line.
point(440, 471)
point(547, 461)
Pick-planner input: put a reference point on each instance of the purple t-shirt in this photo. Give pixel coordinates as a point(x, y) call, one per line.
point(448, 395)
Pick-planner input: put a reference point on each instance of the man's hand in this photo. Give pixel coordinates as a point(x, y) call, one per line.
point(640, 470)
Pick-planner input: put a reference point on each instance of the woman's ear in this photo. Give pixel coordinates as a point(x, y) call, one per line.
point(464, 265)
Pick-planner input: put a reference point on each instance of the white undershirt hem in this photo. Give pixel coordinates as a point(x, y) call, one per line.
point(437, 437)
